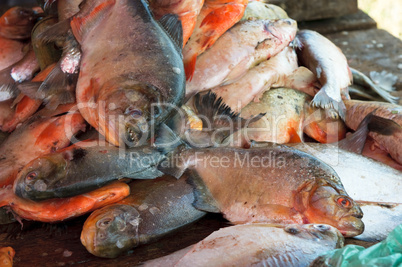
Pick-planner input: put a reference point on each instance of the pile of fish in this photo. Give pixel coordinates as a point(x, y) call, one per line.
point(152, 114)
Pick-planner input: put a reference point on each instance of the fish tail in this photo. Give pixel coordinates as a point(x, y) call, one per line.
point(189, 67)
point(55, 33)
point(322, 100)
point(8, 87)
point(29, 89)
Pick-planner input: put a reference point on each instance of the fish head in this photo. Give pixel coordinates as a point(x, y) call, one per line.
point(322, 203)
point(317, 232)
point(282, 29)
point(130, 109)
point(39, 175)
point(111, 230)
point(324, 126)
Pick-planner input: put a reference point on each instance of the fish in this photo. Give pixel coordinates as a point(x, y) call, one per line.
point(19, 72)
point(11, 51)
point(27, 106)
point(215, 18)
point(55, 210)
point(81, 168)
point(17, 23)
point(33, 138)
point(6, 111)
point(259, 10)
point(240, 48)
point(153, 209)
point(258, 245)
point(386, 136)
point(7, 256)
point(256, 190)
point(147, 80)
point(287, 115)
point(187, 11)
point(251, 86)
point(367, 182)
point(330, 66)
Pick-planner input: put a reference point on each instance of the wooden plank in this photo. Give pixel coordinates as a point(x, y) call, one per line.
point(306, 10)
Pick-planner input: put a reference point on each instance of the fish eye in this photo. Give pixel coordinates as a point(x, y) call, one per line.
point(133, 112)
point(103, 223)
point(31, 176)
point(344, 202)
point(156, 110)
point(292, 230)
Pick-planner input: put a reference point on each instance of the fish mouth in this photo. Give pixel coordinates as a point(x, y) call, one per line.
point(351, 226)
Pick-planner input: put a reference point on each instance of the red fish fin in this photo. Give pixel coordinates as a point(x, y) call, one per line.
point(221, 15)
point(89, 16)
point(294, 136)
point(189, 67)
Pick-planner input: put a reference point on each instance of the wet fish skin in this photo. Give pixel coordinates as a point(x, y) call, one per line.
point(149, 70)
point(83, 167)
point(243, 46)
point(153, 209)
point(38, 136)
point(329, 65)
point(54, 210)
point(357, 110)
point(11, 51)
point(311, 193)
point(252, 245)
point(17, 23)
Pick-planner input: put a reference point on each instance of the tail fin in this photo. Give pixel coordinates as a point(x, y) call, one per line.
point(321, 99)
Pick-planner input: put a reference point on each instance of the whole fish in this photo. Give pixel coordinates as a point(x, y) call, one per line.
point(329, 65)
point(54, 210)
point(141, 68)
point(83, 167)
point(17, 23)
point(215, 18)
point(368, 182)
point(389, 141)
point(272, 184)
point(36, 137)
point(187, 10)
point(27, 106)
point(243, 46)
point(251, 86)
point(7, 256)
point(287, 115)
point(258, 245)
point(153, 209)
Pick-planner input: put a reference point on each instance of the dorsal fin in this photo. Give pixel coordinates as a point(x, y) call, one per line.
point(174, 28)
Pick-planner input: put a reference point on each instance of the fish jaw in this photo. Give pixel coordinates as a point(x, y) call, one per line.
point(34, 176)
point(322, 203)
point(125, 111)
point(111, 230)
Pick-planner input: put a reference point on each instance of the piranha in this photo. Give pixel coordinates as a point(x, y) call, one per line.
point(215, 18)
point(240, 48)
point(329, 65)
point(287, 115)
point(153, 209)
point(128, 85)
point(36, 137)
point(54, 210)
point(271, 184)
point(187, 10)
point(258, 245)
point(83, 167)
